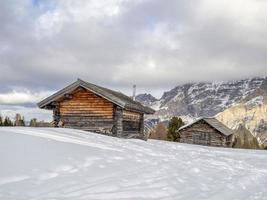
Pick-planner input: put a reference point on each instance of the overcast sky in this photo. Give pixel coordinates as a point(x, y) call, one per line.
point(156, 44)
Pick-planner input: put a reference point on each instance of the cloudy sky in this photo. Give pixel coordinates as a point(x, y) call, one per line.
point(156, 44)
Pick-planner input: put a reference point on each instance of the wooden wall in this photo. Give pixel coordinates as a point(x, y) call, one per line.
point(202, 133)
point(131, 122)
point(87, 111)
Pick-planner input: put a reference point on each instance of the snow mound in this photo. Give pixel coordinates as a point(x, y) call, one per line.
point(48, 163)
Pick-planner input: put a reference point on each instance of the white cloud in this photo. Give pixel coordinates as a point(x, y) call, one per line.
point(25, 97)
point(49, 23)
point(27, 113)
point(73, 11)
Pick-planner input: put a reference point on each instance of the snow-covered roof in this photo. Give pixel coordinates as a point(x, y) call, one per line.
point(214, 123)
point(113, 96)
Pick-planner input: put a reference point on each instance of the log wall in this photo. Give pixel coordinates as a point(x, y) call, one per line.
point(202, 133)
point(87, 111)
point(118, 117)
point(131, 122)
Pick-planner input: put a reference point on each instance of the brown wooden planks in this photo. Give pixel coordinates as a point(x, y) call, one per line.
point(85, 103)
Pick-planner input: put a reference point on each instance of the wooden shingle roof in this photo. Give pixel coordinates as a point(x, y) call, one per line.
point(214, 123)
point(115, 97)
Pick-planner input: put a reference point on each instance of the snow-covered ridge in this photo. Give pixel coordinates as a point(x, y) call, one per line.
point(50, 163)
point(196, 100)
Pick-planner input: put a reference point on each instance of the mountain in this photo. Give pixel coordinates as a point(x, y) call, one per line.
point(253, 115)
point(195, 100)
point(67, 164)
point(232, 102)
point(244, 139)
point(146, 99)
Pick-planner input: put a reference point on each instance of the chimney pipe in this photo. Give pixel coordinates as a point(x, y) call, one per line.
point(134, 92)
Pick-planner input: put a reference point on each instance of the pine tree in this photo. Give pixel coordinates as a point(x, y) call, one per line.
point(174, 124)
point(7, 122)
point(10, 123)
point(22, 122)
point(33, 122)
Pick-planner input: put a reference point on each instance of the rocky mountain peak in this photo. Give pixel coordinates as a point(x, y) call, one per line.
point(146, 99)
point(205, 99)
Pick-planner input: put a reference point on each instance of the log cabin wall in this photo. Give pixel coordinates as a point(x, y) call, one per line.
point(87, 111)
point(118, 117)
point(56, 114)
point(202, 133)
point(132, 122)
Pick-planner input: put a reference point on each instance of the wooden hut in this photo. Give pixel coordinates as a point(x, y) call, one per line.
point(206, 131)
point(89, 107)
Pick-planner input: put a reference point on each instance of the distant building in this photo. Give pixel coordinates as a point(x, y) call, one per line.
point(89, 107)
point(206, 131)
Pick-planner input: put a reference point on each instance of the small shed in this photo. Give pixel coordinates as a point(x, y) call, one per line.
point(206, 131)
point(89, 107)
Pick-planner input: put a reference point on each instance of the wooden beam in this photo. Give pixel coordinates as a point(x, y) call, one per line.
point(118, 117)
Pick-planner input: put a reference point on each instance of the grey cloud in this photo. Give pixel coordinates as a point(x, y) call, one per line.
point(155, 44)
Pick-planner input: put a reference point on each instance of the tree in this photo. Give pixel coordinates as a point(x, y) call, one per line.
point(19, 121)
point(159, 133)
point(33, 122)
point(22, 122)
point(1, 121)
point(174, 124)
point(7, 122)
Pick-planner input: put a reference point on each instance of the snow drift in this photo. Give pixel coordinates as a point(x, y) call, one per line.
point(48, 163)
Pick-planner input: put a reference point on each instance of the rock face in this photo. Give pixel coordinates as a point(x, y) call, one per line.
point(195, 100)
point(254, 118)
point(146, 99)
point(244, 139)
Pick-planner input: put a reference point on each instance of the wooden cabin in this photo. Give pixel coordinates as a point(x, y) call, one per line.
point(89, 107)
point(206, 131)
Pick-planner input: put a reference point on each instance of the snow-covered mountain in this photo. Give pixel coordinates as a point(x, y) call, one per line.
point(146, 99)
point(195, 100)
point(67, 164)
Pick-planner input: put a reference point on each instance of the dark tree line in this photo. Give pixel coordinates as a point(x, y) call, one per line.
point(20, 121)
point(6, 121)
point(170, 133)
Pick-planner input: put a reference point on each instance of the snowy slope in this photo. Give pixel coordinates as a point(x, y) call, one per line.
point(47, 163)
